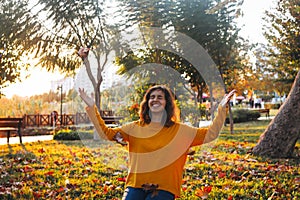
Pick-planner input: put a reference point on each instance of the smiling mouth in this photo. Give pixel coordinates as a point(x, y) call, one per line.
point(155, 105)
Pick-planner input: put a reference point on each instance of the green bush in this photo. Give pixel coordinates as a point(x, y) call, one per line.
point(243, 115)
point(73, 135)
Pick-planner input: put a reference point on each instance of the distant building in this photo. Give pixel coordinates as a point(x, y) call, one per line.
point(81, 79)
point(109, 75)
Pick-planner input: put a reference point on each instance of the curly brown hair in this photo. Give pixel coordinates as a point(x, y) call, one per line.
point(171, 108)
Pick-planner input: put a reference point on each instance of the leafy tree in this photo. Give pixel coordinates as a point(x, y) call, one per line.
point(281, 56)
point(75, 24)
point(163, 14)
point(210, 23)
point(19, 35)
point(280, 137)
point(216, 30)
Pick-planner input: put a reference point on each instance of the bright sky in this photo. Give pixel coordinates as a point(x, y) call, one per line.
point(40, 80)
point(252, 19)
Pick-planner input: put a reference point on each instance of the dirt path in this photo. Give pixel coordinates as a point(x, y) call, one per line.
point(25, 139)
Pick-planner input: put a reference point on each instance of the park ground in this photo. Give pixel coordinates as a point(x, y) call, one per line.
point(87, 169)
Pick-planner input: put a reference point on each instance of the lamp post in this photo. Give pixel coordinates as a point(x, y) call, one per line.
point(61, 103)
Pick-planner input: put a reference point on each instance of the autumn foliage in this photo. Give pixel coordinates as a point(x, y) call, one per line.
point(76, 170)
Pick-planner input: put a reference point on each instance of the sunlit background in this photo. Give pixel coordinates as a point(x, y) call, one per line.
point(41, 81)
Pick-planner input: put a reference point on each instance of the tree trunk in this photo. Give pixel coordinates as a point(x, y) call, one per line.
point(280, 137)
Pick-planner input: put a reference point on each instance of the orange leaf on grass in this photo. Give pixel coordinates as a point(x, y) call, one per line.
point(68, 162)
point(61, 189)
point(37, 195)
point(203, 193)
point(200, 193)
point(50, 173)
point(207, 189)
point(41, 150)
point(95, 180)
point(27, 168)
point(221, 174)
point(121, 179)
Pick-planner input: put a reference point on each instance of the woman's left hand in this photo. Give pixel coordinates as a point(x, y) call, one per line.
point(227, 98)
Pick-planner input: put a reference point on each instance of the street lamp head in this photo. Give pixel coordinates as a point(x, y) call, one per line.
point(59, 87)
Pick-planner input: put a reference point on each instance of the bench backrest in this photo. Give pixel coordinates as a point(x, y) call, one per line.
point(11, 122)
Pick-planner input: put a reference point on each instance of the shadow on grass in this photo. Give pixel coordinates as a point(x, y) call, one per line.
point(89, 143)
point(241, 137)
point(245, 132)
point(12, 152)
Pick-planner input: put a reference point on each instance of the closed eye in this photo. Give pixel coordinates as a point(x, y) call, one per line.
point(158, 97)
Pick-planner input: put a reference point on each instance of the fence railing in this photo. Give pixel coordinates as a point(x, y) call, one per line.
point(38, 120)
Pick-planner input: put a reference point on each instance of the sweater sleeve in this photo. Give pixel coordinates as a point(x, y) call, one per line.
point(216, 125)
point(210, 133)
point(99, 124)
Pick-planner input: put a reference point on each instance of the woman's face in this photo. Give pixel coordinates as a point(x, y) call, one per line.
point(157, 101)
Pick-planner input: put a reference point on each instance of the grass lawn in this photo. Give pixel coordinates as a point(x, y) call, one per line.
point(90, 170)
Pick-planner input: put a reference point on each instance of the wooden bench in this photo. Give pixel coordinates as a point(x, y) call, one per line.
point(266, 110)
point(10, 124)
point(112, 119)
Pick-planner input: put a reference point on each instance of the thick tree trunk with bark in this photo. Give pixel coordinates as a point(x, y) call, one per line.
point(280, 137)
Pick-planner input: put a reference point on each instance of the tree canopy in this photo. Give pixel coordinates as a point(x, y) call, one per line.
point(75, 24)
point(19, 35)
point(282, 54)
point(57, 29)
point(282, 134)
point(212, 26)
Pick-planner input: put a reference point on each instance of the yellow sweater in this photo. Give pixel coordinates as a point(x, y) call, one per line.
point(158, 154)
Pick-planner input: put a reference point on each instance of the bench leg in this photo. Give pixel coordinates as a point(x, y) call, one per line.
point(8, 135)
point(20, 136)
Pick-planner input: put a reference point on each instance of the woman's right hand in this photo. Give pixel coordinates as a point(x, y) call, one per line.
point(83, 52)
point(88, 100)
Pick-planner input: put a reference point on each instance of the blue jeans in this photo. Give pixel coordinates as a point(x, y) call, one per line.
point(141, 194)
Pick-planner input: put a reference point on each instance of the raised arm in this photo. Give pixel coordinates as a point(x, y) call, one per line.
point(87, 99)
point(94, 115)
point(218, 122)
point(99, 124)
